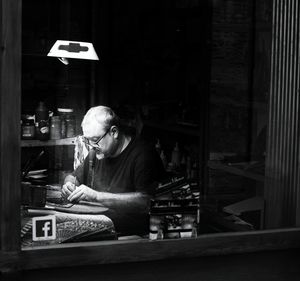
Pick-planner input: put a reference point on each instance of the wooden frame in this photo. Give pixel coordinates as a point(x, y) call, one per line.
point(10, 114)
point(92, 253)
point(11, 256)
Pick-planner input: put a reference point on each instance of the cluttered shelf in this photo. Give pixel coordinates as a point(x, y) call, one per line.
point(35, 143)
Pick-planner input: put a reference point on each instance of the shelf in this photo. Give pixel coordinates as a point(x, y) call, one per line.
point(35, 143)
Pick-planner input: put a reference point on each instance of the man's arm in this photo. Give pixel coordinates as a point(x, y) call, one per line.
point(129, 200)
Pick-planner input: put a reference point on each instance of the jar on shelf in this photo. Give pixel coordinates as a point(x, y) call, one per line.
point(67, 122)
point(55, 128)
point(27, 129)
point(70, 126)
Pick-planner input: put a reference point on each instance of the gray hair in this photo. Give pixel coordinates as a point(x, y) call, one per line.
point(103, 115)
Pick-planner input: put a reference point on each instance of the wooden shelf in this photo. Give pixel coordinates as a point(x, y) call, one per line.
point(35, 143)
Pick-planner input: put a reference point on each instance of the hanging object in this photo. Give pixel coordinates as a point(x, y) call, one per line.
point(63, 50)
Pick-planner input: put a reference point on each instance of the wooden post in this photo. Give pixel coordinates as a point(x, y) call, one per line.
point(10, 116)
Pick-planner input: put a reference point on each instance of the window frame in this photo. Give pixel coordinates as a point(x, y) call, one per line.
point(12, 257)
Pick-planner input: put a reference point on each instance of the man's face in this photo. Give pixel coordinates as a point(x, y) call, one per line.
point(103, 140)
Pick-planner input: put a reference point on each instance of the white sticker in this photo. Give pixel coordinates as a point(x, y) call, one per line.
point(44, 228)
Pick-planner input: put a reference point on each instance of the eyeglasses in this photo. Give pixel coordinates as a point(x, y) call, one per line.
point(96, 142)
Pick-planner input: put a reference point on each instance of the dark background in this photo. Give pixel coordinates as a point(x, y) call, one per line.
point(195, 72)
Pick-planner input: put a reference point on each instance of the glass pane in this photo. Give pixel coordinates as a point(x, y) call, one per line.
point(190, 78)
point(146, 76)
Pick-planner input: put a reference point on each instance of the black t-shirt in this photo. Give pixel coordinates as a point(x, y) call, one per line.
point(137, 169)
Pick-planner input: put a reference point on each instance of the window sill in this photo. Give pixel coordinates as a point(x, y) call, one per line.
point(91, 253)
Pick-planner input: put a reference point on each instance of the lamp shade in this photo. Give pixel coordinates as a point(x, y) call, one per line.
point(64, 49)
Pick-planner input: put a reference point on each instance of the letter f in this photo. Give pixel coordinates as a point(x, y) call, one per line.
point(46, 228)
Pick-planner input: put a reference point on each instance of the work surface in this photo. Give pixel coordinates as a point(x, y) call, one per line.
point(83, 221)
point(70, 227)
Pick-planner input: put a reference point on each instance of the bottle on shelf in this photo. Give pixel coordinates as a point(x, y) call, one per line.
point(183, 161)
point(42, 121)
point(158, 147)
point(163, 159)
point(175, 159)
point(41, 112)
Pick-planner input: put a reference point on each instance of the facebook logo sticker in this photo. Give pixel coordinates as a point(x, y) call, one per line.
point(44, 228)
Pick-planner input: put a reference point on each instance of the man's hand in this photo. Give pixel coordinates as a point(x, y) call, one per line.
point(83, 192)
point(67, 189)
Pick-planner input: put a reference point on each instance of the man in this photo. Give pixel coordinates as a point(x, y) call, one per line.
point(123, 176)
